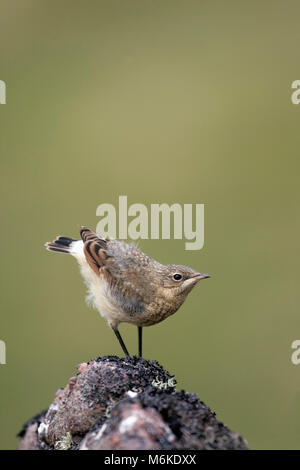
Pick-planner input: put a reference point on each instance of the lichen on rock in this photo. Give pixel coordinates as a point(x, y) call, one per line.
point(126, 403)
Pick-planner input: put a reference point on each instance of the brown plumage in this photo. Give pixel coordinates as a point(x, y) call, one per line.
point(125, 284)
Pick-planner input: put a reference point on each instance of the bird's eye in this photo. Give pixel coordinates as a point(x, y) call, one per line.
point(177, 277)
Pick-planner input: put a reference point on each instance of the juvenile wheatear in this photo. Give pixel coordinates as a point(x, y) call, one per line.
point(126, 285)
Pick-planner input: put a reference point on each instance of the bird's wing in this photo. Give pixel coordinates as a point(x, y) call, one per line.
point(94, 249)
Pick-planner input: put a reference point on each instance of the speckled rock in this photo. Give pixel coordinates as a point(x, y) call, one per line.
point(126, 403)
point(131, 427)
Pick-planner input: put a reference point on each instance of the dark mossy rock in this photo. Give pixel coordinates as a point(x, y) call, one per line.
point(126, 403)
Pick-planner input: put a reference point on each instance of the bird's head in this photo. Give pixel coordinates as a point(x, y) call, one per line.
point(179, 280)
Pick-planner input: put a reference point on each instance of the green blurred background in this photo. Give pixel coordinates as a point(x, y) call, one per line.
point(162, 101)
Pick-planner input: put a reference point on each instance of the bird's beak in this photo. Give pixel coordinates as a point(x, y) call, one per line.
point(200, 276)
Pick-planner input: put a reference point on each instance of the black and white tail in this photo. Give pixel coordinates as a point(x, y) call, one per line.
point(61, 245)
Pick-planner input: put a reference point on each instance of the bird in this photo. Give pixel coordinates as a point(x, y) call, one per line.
point(126, 285)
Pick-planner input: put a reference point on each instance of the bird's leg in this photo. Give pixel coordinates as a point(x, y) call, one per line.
point(140, 334)
point(116, 331)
